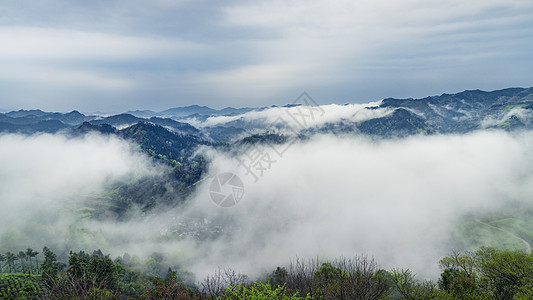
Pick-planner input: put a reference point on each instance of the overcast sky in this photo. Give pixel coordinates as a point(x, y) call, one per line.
point(137, 54)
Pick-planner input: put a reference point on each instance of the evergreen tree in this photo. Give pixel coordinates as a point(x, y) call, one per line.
point(10, 259)
point(22, 257)
point(2, 259)
point(30, 253)
point(50, 266)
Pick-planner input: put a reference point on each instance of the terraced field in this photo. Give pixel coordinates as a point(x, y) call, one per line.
point(19, 286)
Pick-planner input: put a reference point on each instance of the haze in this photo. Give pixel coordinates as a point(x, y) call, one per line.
point(396, 200)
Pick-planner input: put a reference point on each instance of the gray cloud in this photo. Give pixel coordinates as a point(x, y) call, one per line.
point(122, 55)
point(397, 200)
point(46, 179)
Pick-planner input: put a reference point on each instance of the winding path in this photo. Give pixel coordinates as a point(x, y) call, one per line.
point(528, 246)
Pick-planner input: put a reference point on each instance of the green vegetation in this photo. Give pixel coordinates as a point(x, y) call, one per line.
point(268, 137)
point(507, 108)
point(400, 123)
point(260, 291)
point(171, 186)
point(507, 228)
point(20, 286)
point(477, 233)
point(486, 273)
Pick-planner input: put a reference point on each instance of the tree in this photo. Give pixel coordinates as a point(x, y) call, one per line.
point(362, 278)
point(351, 278)
point(22, 257)
point(328, 281)
point(488, 274)
point(260, 291)
point(87, 277)
point(49, 267)
point(278, 277)
point(171, 275)
point(10, 260)
point(214, 285)
point(2, 259)
point(505, 273)
point(300, 276)
point(30, 253)
point(407, 287)
point(171, 291)
point(464, 262)
point(96, 271)
point(448, 276)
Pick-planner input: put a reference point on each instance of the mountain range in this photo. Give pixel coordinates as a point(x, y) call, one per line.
point(507, 109)
point(173, 136)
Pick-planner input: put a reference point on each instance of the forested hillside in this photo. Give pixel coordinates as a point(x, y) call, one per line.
point(484, 274)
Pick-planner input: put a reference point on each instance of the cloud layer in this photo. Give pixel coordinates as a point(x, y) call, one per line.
point(299, 117)
point(45, 179)
point(396, 200)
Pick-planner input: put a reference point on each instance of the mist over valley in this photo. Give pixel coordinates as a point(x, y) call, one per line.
point(403, 181)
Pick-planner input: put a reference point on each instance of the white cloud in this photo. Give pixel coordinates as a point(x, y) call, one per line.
point(45, 178)
point(315, 116)
point(395, 200)
point(522, 114)
point(52, 44)
point(398, 201)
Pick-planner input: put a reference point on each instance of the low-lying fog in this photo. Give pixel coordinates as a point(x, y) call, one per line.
point(395, 200)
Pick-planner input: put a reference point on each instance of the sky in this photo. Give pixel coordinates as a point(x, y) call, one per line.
point(119, 55)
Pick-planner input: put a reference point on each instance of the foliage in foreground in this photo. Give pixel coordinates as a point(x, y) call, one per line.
point(260, 291)
point(484, 274)
point(19, 286)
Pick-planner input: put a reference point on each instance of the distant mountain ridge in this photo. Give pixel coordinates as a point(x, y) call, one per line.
point(180, 112)
point(470, 110)
point(507, 109)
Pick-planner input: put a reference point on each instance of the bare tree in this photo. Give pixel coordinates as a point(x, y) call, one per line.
point(86, 286)
point(301, 274)
point(359, 279)
point(459, 261)
point(214, 285)
point(232, 278)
